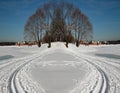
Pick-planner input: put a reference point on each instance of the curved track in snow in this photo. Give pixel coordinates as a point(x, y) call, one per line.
point(108, 80)
point(10, 70)
point(12, 86)
point(102, 84)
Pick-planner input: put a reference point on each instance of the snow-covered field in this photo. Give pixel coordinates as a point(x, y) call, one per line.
point(86, 69)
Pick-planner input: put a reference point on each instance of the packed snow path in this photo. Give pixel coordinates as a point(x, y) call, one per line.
point(61, 70)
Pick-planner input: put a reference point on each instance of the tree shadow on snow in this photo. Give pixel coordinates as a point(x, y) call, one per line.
point(6, 57)
point(109, 56)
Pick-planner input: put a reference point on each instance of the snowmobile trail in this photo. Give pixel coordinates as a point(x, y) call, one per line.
point(12, 87)
point(109, 74)
point(100, 83)
point(10, 70)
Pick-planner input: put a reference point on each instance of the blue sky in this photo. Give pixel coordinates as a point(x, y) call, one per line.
point(103, 14)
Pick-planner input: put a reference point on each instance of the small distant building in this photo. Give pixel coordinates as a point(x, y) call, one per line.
point(94, 42)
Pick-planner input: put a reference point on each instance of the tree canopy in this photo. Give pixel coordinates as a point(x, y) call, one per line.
point(55, 21)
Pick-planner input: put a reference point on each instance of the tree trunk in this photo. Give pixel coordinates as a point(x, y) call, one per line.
point(67, 44)
point(67, 41)
point(39, 43)
point(49, 44)
point(77, 43)
point(49, 41)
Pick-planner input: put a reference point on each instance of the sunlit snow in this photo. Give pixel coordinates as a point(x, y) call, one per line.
point(84, 69)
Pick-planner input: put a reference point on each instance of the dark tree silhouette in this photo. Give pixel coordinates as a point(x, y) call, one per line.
point(34, 27)
point(58, 22)
point(82, 26)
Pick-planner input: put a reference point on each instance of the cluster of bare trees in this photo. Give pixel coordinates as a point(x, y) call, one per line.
point(82, 26)
point(58, 22)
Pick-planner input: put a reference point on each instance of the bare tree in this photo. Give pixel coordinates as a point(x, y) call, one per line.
point(82, 26)
point(34, 27)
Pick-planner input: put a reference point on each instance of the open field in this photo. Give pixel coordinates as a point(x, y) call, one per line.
point(84, 69)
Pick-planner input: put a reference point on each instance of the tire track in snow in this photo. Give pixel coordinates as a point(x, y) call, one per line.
point(105, 84)
point(12, 87)
point(114, 85)
point(6, 73)
point(104, 87)
point(113, 75)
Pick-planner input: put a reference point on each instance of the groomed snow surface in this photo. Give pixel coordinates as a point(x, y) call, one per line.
point(84, 69)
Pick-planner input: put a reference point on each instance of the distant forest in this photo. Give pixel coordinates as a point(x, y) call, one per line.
point(7, 43)
point(14, 43)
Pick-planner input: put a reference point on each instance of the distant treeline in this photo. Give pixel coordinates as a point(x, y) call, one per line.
point(14, 43)
point(114, 42)
point(7, 43)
